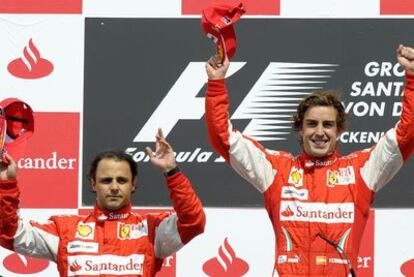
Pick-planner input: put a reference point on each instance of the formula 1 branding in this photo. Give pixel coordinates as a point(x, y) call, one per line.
point(105, 264)
point(264, 89)
point(272, 110)
point(317, 212)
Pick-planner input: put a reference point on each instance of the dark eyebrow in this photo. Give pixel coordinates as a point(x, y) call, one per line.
point(313, 120)
point(105, 178)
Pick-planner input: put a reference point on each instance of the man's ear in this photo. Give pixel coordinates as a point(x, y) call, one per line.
point(134, 184)
point(93, 183)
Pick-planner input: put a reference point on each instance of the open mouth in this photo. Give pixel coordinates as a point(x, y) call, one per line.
point(319, 143)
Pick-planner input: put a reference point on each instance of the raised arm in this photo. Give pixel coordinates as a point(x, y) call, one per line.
point(31, 239)
point(396, 146)
point(245, 155)
point(188, 221)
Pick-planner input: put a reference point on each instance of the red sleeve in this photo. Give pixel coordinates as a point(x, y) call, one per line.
point(9, 201)
point(405, 128)
point(190, 213)
point(217, 117)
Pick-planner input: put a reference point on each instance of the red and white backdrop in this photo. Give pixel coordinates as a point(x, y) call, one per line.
point(106, 73)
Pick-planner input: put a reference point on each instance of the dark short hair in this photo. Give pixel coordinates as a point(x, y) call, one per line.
point(112, 154)
point(325, 98)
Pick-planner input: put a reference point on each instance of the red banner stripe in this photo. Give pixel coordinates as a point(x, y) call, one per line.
point(397, 7)
point(41, 6)
point(253, 7)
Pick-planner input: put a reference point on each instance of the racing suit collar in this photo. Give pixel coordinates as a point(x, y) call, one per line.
point(103, 215)
point(310, 162)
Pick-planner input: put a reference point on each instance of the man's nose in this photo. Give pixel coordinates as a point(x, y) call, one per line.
point(319, 130)
point(114, 186)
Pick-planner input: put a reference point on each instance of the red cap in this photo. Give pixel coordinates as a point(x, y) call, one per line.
point(217, 22)
point(20, 125)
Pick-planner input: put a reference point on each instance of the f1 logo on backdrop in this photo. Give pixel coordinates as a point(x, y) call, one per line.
point(41, 6)
point(268, 104)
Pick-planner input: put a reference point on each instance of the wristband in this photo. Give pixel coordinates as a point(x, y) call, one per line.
point(172, 171)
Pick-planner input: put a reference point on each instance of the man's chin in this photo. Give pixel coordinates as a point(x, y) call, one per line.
point(319, 153)
point(113, 206)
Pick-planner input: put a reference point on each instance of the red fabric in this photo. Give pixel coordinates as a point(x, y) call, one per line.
point(20, 125)
point(187, 206)
point(405, 132)
point(9, 203)
point(253, 7)
point(82, 242)
point(397, 7)
point(217, 21)
point(307, 197)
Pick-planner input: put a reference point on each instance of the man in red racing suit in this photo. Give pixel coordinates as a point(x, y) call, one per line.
point(112, 240)
point(319, 201)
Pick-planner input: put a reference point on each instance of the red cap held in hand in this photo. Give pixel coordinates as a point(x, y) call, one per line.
point(20, 125)
point(217, 22)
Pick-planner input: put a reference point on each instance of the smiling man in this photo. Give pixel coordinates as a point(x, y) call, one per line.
point(319, 201)
point(112, 240)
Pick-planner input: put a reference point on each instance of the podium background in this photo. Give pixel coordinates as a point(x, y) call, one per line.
point(123, 68)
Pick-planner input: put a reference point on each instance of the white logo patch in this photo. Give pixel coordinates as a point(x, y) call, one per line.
point(292, 192)
point(105, 264)
point(284, 259)
point(82, 246)
point(338, 261)
point(317, 212)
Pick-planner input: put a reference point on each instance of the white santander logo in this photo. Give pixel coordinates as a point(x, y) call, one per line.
point(268, 104)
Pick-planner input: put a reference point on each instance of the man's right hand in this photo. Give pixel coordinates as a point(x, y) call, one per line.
point(216, 70)
point(8, 171)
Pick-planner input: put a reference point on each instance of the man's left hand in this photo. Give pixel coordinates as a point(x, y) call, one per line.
point(163, 157)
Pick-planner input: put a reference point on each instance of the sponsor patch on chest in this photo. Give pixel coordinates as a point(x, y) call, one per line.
point(85, 230)
point(296, 177)
point(290, 192)
point(131, 231)
point(82, 246)
point(84, 265)
point(317, 212)
point(342, 177)
point(285, 259)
